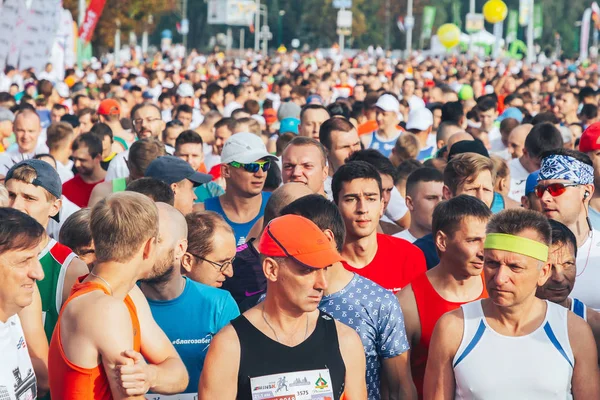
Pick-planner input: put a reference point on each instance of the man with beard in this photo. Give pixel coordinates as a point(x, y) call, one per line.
point(147, 123)
point(173, 297)
point(107, 344)
point(87, 156)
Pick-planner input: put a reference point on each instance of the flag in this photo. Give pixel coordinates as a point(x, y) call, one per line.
point(512, 26)
point(92, 15)
point(400, 24)
point(428, 20)
point(538, 23)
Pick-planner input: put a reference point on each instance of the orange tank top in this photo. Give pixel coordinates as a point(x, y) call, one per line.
point(71, 382)
point(431, 307)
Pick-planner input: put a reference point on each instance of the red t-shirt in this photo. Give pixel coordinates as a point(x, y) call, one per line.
point(78, 191)
point(396, 263)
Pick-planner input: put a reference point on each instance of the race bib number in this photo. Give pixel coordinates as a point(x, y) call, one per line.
point(183, 396)
point(304, 385)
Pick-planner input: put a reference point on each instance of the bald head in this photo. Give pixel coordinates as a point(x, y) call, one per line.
point(516, 140)
point(173, 222)
point(27, 129)
point(458, 137)
point(445, 131)
point(281, 197)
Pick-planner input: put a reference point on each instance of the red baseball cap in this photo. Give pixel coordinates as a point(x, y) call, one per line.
point(298, 238)
point(109, 107)
point(590, 139)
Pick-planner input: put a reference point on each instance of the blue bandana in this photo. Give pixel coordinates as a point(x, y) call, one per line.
point(567, 168)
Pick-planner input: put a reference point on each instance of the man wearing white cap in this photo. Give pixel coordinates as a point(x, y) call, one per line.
point(388, 118)
point(420, 123)
point(244, 165)
point(185, 95)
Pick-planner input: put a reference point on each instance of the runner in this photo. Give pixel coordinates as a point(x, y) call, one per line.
point(388, 261)
point(423, 192)
point(590, 145)
point(59, 138)
point(173, 298)
point(513, 345)
point(283, 336)
point(109, 112)
point(388, 118)
point(304, 160)
point(21, 239)
point(244, 165)
point(156, 190)
point(27, 131)
point(88, 361)
point(530, 201)
point(384, 341)
point(312, 117)
point(459, 232)
point(76, 235)
point(87, 156)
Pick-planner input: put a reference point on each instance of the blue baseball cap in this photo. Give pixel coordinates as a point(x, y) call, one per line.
point(531, 182)
point(171, 169)
point(511, 112)
point(289, 125)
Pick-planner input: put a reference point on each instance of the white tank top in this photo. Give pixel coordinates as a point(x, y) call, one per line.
point(490, 366)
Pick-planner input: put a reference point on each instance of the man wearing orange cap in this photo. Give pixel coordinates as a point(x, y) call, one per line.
point(590, 144)
point(290, 349)
point(109, 112)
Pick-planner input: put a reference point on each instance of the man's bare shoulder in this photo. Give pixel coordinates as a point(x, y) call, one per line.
point(94, 308)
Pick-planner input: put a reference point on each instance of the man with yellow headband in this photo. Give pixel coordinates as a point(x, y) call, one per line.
point(513, 345)
point(565, 187)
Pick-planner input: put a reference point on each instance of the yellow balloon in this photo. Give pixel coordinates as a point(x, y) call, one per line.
point(495, 11)
point(449, 35)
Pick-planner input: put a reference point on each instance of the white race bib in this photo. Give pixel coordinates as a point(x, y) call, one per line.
point(303, 385)
point(182, 396)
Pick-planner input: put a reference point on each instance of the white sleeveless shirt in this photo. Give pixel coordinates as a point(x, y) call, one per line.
point(490, 366)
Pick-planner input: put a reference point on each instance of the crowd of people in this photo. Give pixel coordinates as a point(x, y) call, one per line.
point(300, 227)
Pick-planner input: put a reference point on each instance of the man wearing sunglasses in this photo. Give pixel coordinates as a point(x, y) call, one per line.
point(174, 298)
point(244, 165)
point(565, 187)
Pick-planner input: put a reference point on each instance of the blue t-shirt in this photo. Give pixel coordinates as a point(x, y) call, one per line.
point(191, 320)
point(428, 248)
point(239, 230)
point(594, 217)
point(375, 314)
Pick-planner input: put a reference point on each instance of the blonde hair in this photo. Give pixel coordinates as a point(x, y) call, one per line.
point(27, 174)
point(121, 223)
point(465, 167)
point(406, 147)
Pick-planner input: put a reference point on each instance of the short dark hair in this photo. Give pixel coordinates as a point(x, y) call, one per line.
point(18, 231)
point(585, 93)
point(563, 236)
point(448, 214)
point(89, 140)
point(452, 111)
point(339, 109)
point(509, 99)
point(407, 167)
point(273, 179)
point(322, 212)
point(57, 133)
point(541, 138)
point(425, 174)
point(183, 108)
point(382, 164)
point(101, 130)
point(579, 156)
point(351, 171)
point(228, 122)
point(333, 124)
point(486, 104)
point(188, 136)
point(515, 220)
point(158, 191)
point(547, 116)
point(589, 111)
point(307, 107)
point(75, 232)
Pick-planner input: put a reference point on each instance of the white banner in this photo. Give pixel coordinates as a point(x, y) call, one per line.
point(41, 25)
point(231, 12)
point(585, 34)
point(9, 14)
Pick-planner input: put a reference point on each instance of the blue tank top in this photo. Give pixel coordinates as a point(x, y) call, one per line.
point(384, 147)
point(240, 230)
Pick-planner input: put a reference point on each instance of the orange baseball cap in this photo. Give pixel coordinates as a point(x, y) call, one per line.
point(270, 116)
point(298, 238)
point(109, 107)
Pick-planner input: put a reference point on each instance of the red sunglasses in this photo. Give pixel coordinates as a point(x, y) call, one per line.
point(555, 189)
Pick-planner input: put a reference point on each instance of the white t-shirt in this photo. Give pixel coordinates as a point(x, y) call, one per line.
point(68, 208)
point(17, 378)
point(518, 179)
point(588, 272)
point(65, 171)
point(406, 235)
point(118, 166)
point(12, 156)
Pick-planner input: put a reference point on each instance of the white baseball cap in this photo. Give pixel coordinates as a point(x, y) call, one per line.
point(185, 90)
point(415, 103)
point(420, 119)
point(62, 89)
point(244, 147)
point(387, 103)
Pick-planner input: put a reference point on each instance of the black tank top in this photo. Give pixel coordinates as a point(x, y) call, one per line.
point(260, 355)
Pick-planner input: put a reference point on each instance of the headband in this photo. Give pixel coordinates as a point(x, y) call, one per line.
point(568, 168)
point(516, 244)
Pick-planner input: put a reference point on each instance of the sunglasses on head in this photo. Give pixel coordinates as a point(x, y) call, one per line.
point(555, 189)
point(252, 167)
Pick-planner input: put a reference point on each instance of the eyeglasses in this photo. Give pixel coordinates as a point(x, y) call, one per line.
point(220, 267)
point(139, 121)
point(555, 189)
point(252, 167)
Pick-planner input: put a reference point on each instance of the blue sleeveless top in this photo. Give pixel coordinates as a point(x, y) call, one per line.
point(384, 147)
point(498, 203)
point(240, 230)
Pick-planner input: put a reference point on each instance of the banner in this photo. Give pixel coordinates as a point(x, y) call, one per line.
point(9, 15)
point(538, 21)
point(596, 14)
point(428, 19)
point(512, 26)
point(525, 10)
point(92, 15)
point(584, 39)
point(456, 19)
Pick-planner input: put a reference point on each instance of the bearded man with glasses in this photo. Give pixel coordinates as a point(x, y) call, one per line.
point(565, 187)
point(244, 165)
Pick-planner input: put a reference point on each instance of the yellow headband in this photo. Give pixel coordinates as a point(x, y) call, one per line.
point(516, 244)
